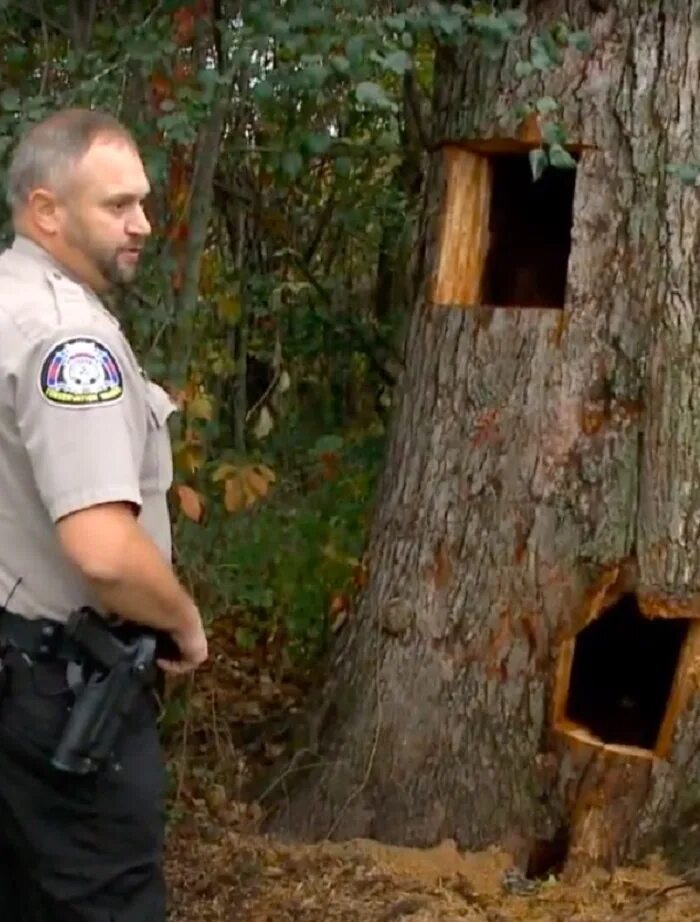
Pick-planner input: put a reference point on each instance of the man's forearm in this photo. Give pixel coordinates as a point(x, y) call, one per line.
point(146, 590)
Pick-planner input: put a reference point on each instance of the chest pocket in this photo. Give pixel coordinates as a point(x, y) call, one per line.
point(157, 467)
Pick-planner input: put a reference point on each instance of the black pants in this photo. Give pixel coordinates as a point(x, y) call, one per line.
point(76, 848)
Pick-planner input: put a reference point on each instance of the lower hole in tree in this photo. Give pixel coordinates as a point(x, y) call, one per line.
point(548, 856)
point(622, 673)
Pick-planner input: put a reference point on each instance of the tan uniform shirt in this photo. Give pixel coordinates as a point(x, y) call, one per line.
point(79, 425)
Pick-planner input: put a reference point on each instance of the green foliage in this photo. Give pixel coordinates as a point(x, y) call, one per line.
point(277, 566)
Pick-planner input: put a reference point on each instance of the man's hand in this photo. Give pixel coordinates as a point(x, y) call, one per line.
point(192, 643)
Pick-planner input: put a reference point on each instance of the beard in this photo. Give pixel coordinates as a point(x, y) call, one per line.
point(104, 258)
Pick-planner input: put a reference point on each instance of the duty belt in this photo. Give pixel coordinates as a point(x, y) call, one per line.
point(40, 638)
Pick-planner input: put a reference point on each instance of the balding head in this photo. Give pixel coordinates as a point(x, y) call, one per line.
point(49, 151)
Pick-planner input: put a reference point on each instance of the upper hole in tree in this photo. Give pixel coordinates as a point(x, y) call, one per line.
point(530, 234)
point(622, 672)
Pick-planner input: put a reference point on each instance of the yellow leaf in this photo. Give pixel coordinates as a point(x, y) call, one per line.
point(229, 307)
point(224, 470)
point(190, 501)
point(234, 497)
point(266, 472)
point(188, 459)
point(251, 497)
point(200, 407)
point(257, 483)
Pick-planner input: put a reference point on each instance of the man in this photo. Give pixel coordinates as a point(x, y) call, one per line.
point(85, 464)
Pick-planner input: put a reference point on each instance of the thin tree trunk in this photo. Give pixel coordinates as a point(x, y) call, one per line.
point(542, 463)
point(200, 209)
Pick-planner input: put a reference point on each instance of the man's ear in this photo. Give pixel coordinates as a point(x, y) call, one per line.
point(42, 209)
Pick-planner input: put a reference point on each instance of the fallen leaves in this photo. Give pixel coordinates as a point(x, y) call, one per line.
point(242, 875)
point(221, 868)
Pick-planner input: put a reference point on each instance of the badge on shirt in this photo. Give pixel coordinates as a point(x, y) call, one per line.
point(81, 372)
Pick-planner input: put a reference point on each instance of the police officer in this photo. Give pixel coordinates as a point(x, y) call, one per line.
point(85, 464)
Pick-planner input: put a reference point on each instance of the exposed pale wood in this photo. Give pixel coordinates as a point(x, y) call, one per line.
point(575, 733)
point(464, 236)
point(684, 684)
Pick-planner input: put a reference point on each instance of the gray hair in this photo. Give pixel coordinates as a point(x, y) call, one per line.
point(48, 151)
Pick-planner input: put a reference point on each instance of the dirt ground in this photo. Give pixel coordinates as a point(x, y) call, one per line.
point(221, 869)
point(219, 874)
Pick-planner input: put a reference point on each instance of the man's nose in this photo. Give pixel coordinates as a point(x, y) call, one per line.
point(139, 223)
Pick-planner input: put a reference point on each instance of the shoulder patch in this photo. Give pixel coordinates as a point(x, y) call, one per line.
point(81, 372)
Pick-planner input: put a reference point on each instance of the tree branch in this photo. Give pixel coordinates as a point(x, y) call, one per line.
point(200, 209)
point(323, 222)
point(46, 70)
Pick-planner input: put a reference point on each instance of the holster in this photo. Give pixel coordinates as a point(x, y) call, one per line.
point(118, 671)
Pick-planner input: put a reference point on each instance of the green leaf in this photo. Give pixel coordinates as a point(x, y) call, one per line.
point(523, 69)
point(687, 173)
point(10, 100)
point(339, 63)
point(263, 91)
point(343, 166)
point(327, 444)
point(354, 48)
point(561, 158)
point(372, 94)
point(398, 62)
point(553, 133)
point(316, 142)
point(515, 18)
point(407, 40)
point(292, 163)
point(581, 41)
point(542, 57)
point(546, 104)
point(538, 162)
point(168, 105)
point(397, 22)
point(448, 23)
point(492, 26)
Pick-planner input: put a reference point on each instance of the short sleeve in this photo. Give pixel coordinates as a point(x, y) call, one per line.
point(81, 415)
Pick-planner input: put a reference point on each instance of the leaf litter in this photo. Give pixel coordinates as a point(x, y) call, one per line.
point(222, 868)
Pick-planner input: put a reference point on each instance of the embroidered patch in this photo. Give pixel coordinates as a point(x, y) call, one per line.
point(81, 372)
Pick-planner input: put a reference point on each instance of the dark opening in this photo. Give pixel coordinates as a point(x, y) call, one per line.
point(622, 672)
point(530, 227)
point(547, 856)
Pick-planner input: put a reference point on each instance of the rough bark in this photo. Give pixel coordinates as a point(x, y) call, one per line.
point(540, 462)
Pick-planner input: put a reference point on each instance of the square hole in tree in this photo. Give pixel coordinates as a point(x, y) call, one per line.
point(530, 234)
point(505, 237)
point(622, 673)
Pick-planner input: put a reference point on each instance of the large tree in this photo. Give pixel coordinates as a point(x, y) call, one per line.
point(520, 668)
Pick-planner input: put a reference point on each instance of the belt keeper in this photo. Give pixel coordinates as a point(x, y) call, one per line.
point(49, 640)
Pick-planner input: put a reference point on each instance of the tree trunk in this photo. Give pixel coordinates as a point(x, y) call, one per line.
point(543, 466)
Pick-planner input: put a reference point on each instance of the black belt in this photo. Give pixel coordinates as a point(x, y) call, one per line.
point(41, 638)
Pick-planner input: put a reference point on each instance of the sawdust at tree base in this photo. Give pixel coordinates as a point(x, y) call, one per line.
point(219, 874)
